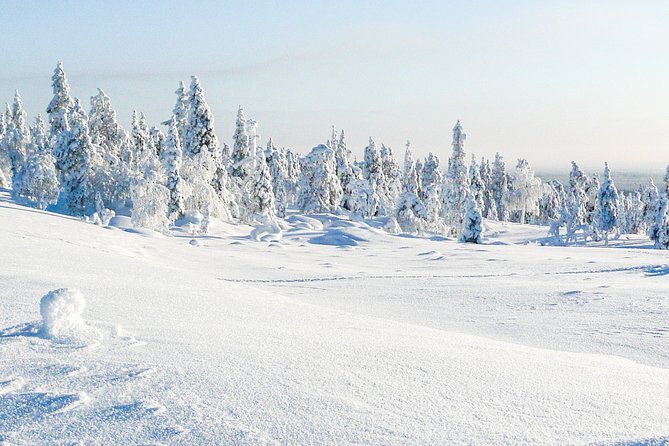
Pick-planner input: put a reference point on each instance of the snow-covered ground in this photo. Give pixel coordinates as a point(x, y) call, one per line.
point(327, 331)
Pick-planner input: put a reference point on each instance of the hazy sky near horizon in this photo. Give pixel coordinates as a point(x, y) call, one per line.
point(547, 81)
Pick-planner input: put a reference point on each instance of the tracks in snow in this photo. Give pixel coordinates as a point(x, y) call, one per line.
point(646, 268)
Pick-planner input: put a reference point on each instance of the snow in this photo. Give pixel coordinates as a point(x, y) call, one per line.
point(395, 340)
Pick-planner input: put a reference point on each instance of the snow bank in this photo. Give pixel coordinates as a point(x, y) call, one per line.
point(62, 319)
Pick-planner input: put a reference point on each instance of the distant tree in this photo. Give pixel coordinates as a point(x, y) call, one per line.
point(39, 179)
point(499, 186)
point(59, 108)
point(172, 160)
point(73, 153)
point(606, 211)
point(456, 183)
point(525, 193)
point(320, 190)
point(472, 226)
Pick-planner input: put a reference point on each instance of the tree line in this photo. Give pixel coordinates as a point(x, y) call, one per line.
point(85, 164)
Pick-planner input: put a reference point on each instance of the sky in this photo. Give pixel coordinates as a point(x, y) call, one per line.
point(547, 81)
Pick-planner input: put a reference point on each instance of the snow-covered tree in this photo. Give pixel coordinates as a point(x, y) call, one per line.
point(392, 181)
point(591, 191)
point(202, 147)
point(180, 111)
point(430, 190)
point(150, 199)
point(485, 172)
point(525, 192)
point(140, 135)
point(499, 186)
point(39, 179)
point(651, 207)
point(59, 108)
point(411, 214)
point(320, 190)
point(278, 168)
point(345, 171)
point(172, 160)
point(456, 183)
point(472, 225)
point(156, 141)
point(606, 210)
point(241, 154)
point(372, 169)
point(73, 153)
point(476, 184)
point(258, 194)
point(16, 140)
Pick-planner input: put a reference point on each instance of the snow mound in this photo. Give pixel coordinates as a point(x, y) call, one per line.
point(269, 232)
point(62, 319)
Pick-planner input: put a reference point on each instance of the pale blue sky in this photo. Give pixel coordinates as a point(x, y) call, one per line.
point(548, 81)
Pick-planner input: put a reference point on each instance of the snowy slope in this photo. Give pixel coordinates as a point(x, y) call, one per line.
point(334, 332)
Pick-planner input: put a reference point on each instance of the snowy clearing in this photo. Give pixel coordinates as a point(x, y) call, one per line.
point(310, 338)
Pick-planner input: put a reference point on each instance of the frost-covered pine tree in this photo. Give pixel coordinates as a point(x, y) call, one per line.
point(241, 166)
point(156, 141)
point(15, 141)
point(392, 181)
point(150, 199)
point(202, 147)
point(372, 170)
point(456, 183)
point(180, 111)
point(651, 207)
point(140, 135)
point(104, 128)
point(73, 153)
point(172, 160)
point(39, 179)
point(476, 184)
point(345, 170)
point(61, 104)
point(430, 191)
point(278, 168)
point(591, 191)
point(320, 190)
point(472, 225)
point(499, 186)
point(606, 210)
point(525, 192)
point(259, 201)
point(411, 214)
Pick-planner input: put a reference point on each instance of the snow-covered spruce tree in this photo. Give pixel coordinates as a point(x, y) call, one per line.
point(372, 170)
point(240, 168)
point(39, 179)
point(73, 153)
point(454, 192)
point(661, 227)
point(254, 137)
point(15, 142)
point(140, 135)
point(150, 199)
point(430, 191)
point(606, 210)
point(259, 203)
point(499, 186)
point(361, 197)
point(4, 158)
point(651, 207)
point(156, 141)
point(552, 202)
point(633, 213)
point(476, 184)
point(320, 190)
point(294, 172)
point(203, 149)
point(278, 168)
point(180, 111)
point(345, 170)
point(172, 159)
point(485, 172)
point(411, 214)
point(59, 108)
point(577, 184)
point(472, 225)
point(104, 128)
point(591, 190)
point(525, 192)
point(392, 181)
